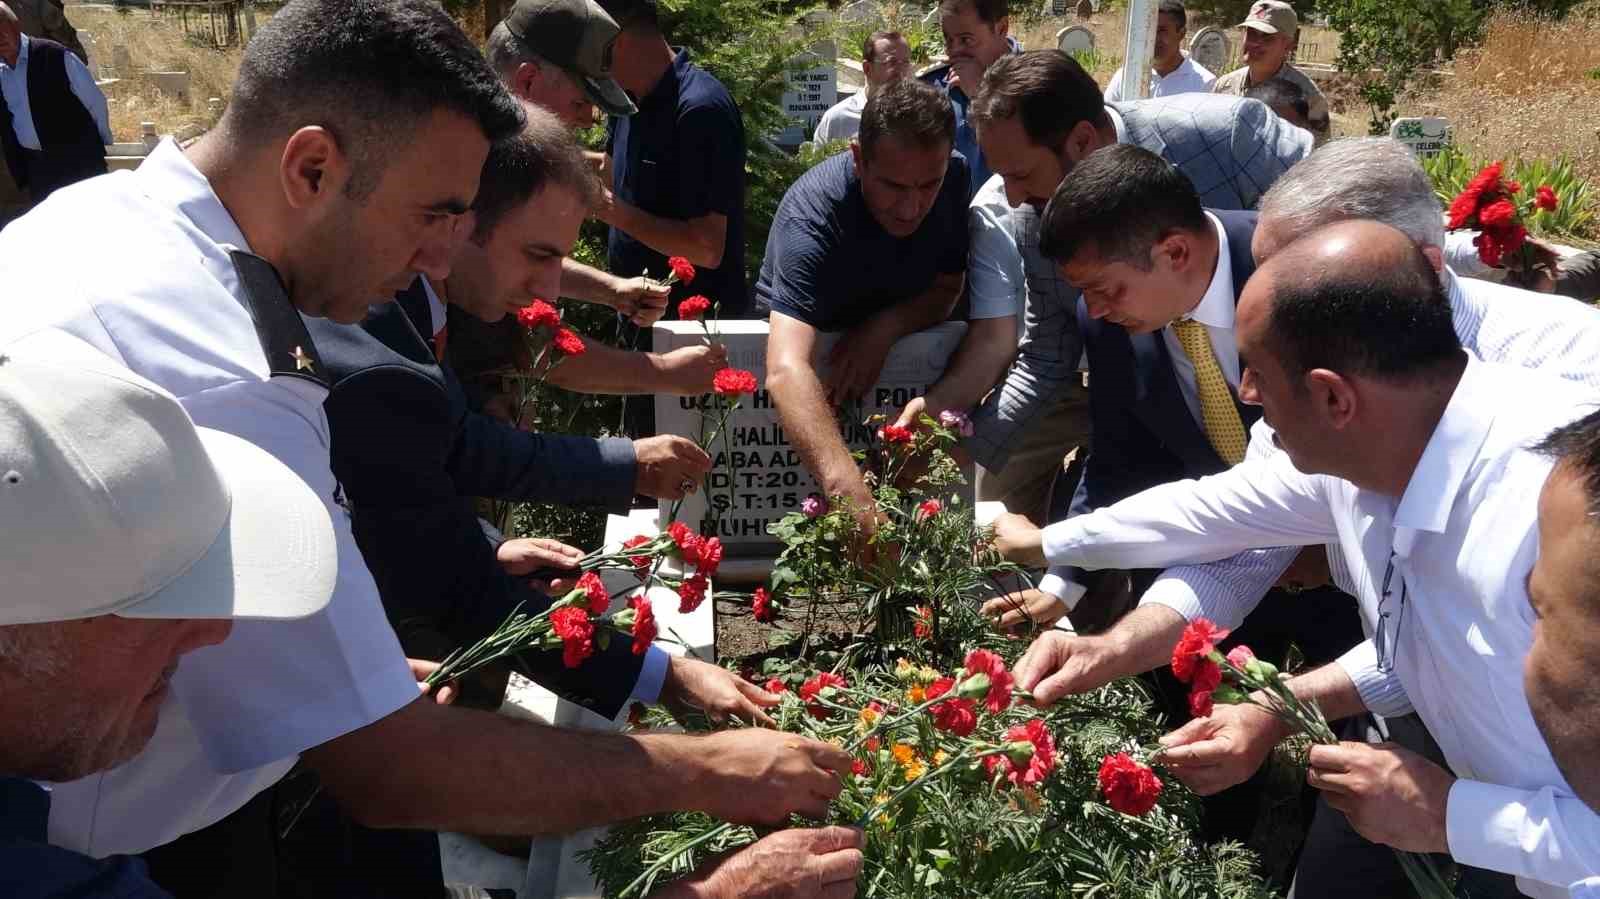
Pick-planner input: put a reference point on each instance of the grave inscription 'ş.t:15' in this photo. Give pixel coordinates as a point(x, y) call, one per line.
point(766, 479)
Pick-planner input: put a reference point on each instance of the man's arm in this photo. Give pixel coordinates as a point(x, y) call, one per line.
point(604, 369)
point(857, 358)
point(89, 94)
point(639, 300)
point(445, 768)
point(807, 418)
point(700, 240)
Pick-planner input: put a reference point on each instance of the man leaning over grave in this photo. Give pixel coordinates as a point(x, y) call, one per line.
point(871, 243)
point(885, 57)
point(1418, 462)
point(976, 33)
point(1039, 113)
point(1271, 34)
point(301, 203)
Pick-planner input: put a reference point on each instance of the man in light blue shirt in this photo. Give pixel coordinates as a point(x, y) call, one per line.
point(54, 124)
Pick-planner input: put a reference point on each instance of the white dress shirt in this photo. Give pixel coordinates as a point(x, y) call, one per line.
point(1215, 311)
point(1587, 888)
point(163, 297)
point(14, 87)
point(1498, 324)
point(1462, 539)
point(1189, 77)
point(842, 121)
point(996, 281)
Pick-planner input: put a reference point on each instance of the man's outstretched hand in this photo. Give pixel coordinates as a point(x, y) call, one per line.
point(791, 864)
point(1019, 540)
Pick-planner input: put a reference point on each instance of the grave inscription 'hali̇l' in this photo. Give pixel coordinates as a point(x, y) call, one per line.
point(766, 480)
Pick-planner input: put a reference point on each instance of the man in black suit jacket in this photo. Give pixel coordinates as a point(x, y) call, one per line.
point(1160, 276)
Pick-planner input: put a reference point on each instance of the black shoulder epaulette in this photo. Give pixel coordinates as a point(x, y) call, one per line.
point(284, 339)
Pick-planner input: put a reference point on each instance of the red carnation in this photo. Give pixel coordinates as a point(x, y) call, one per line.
point(922, 623)
point(811, 689)
point(693, 307)
point(682, 268)
point(572, 625)
point(957, 716)
point(640, 563)
point(1037, 766)
point(762, 608)
point(733, 382)
point(939, 687)
point(1199, 640)
point(691, 593)
point(595, 592)
point(1129, 787)
point(894, 434)
point(687, 541)
point(929, 508)
point(1240, 656)
point(1497, 215)
point(1485, 184)
point(538, 314)
point(568, 343)
point(644, 624)
point(775, 686)
point(859, 768)
point(982, 661)
point(1207, 678)
point(708, 556)
point(1545, 198)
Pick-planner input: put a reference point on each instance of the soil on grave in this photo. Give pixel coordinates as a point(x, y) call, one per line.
point(742, 639)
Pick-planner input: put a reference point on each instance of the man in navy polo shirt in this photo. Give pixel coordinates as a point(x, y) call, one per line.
point(872, 242)
point(677, 166)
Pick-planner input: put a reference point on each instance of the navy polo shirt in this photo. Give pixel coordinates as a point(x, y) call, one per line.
point(681, 156)
point(31, 868)
point(831, 265)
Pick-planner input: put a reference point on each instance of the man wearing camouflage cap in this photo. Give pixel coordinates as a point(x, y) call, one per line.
point(1271, 32)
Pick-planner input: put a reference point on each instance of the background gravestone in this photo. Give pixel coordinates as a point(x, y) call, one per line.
point(1075, 39)
point(768, 480)
point(811, 84)
point(862, 12)
point(1423, 136)
point(1211, 48)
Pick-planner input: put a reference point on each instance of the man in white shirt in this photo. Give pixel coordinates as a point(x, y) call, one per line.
point(1172, 70)
point(54, 125)
point(216, 253)
point(1416, 460)
point(885, 57)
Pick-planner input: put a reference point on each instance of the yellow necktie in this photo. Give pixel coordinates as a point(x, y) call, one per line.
point(1221, 417)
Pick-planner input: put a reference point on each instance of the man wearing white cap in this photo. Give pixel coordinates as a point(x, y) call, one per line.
point(132, 538)
point(1271, 32)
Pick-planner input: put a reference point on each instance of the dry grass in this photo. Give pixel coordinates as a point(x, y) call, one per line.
point(1529, 91)
point(158, 44)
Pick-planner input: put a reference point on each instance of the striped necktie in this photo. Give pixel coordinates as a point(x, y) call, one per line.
point(1221, 417)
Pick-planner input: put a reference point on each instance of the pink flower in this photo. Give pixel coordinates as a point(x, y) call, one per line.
point(814, 506)
point(1240, 656)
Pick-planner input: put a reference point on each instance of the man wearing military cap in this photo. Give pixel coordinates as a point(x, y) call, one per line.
point(1271, 32)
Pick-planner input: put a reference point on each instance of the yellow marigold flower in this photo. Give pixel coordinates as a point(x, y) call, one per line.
point(916, 695)
point(915, 770)
point(903, 754)
point(940, 757)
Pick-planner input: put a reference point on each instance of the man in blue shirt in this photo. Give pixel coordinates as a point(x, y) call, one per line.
point(976, 33)
point(121, 555)
point(677, 167)
point(873, 242)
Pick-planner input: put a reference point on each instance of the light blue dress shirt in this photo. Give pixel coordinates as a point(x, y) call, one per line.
point(14, 86)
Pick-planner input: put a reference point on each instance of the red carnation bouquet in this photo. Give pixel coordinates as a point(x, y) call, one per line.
point(1239, 677)
point(1489, 205)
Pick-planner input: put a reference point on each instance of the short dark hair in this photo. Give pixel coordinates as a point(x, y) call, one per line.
point(369, 71)
point(908, 110)
point(1391, 322)
point(1278, 91)
point(635, 14)
point(989, 11)
point(1176, 9)
point(869, 47)
point(1119, 201)
point(1046, 89)
point(1578, 445)
point(544, 152)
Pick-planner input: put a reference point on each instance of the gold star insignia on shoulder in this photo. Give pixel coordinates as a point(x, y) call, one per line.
point(302, 360)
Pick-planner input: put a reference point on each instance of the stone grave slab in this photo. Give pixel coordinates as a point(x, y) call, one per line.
point(768, 480)
point(811, 87)
point(1074, 39)
point(1211, 47)
point(862, 12)
point(1425, 137)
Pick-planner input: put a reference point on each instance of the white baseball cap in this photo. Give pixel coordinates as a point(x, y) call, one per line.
point(113, 502)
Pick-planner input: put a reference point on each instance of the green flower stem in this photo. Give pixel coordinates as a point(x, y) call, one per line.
point(960, 758)
point(660, 864)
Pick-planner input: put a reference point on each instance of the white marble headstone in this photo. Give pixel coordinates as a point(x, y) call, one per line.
point(1211, 48)
point(1423, 136)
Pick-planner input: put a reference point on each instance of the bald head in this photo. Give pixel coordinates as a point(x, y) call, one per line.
point(7, 14)
point(1358, 298)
